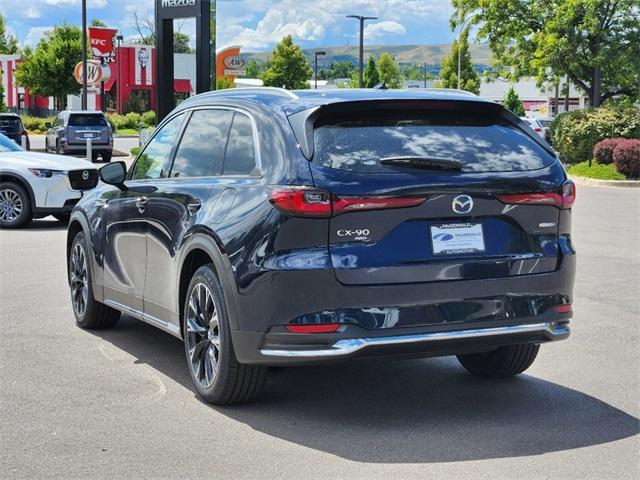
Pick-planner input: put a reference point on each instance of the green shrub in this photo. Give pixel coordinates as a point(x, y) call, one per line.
point(135, 151)
point(117, 121)
point(575, 133)
point(132, 120)
point(134, 103)
point(149, 118)
point(36, 124)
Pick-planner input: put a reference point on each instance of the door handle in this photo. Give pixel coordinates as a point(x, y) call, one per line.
point(194, 206)
point(141, 204)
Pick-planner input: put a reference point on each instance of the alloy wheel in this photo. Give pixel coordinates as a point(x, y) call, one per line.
point(203, 335)
point(79, 280)
point(10, 205)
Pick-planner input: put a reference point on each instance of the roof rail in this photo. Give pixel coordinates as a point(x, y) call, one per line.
point(281, 92)
point(458, 90)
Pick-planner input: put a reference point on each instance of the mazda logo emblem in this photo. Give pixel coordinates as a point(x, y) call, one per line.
point(462, 204)
point(85, 175)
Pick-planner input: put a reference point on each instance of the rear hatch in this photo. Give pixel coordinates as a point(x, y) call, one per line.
point(437, 192)
point(82, 126)
point(11, 127)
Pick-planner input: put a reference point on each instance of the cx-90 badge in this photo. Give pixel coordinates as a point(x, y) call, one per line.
point(462, 204)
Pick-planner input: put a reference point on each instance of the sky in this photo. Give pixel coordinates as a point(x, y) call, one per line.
point(256, 25)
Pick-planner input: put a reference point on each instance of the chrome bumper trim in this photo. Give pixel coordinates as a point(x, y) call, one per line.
point(349, 346)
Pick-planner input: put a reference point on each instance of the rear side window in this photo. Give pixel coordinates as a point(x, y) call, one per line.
point(479, 144)
point(201, 149)
point(87, 120)
point(240, 157)
point(10, 124)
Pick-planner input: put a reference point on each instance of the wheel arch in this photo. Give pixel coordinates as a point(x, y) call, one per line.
point(201, 248)
point(20, 180)
point(78, 223)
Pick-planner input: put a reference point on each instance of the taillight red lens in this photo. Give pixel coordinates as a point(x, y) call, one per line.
point(311, 202)
point(301, 201)
point(563, 199)
point(568, 308)
point(324, 328)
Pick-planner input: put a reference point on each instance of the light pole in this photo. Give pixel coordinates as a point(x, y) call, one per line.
point(361, 19)
point(84, 54)
point(317, 54)
point(119, 39)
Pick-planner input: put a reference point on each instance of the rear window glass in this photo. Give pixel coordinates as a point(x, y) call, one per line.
point(87, 120)
point(10, 124)
point(479, 144)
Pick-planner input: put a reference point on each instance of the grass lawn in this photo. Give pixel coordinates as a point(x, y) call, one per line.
point(596, 170)
point(127, 131)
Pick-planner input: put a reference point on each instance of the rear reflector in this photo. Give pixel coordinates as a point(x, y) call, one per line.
point(565, 198)
point(563, 308)
point(311, 202)
point(320, 328)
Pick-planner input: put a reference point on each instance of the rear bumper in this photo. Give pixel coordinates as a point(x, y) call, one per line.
point(82, 148)
point(428, 343)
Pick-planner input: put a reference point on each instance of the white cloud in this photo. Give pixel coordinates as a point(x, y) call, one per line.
point(380, 29)
point(35, 34)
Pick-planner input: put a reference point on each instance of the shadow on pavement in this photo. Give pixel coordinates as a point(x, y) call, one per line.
point(44, 224)
point(402, 411)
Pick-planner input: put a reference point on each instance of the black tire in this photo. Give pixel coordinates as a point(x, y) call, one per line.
point(106, 157)
point(12, 197)
point(95, 315)
point(502, 362)
point(62, 217)
point(59, 150)
point(46, 145)
point(230, 382)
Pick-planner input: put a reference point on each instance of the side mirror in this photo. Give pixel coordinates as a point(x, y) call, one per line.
point(47, 125)
point(114, 173)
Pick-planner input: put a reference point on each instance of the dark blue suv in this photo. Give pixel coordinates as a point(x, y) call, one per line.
point(271, 228)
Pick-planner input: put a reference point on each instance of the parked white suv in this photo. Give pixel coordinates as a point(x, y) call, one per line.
point(34, 185)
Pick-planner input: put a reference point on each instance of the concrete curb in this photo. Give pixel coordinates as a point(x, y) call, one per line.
point(593, 182)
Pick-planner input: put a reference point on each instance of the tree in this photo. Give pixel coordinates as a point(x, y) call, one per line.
point(147, 32)
point(97, 23)
point(513, 103)
point(254, 69)
point(48, 70)
point(389, 71)
point(343, 69)
point(469, 78)
point(596, 43)
point(8, 43)
point(288, 67)
point(371, 76)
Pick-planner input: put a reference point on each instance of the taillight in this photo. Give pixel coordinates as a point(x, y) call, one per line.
point(312, 202)
point(565, 198)
point(566, 308)
point(318, 328)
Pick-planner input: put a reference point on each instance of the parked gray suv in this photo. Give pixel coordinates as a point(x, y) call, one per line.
point(72, 128)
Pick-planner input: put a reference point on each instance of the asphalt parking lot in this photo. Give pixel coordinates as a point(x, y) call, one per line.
point(119, 403)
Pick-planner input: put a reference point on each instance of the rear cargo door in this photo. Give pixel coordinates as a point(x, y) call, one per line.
point(83, 126)
point(420, 196)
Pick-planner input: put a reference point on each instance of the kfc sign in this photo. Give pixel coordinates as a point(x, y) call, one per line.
point(101, 40)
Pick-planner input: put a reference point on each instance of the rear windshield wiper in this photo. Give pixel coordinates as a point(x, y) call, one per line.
point(428, 163)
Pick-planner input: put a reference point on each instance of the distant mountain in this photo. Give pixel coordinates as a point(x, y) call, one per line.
point(404, 54)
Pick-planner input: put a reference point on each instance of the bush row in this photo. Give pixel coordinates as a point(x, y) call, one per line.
point(36, 124)
point(576, 133)
point(623, 152)
point(131, 120)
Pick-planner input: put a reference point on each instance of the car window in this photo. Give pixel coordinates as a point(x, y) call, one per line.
point(87, 120)
point(240, 158)
point(10, 124)
point(201, 149)
point(479, 143)
point(154, 159)
point(8, 145)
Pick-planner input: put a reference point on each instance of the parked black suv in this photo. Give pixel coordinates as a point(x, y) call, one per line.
point(267, 227)
point(11, 126)
point(69, 134)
